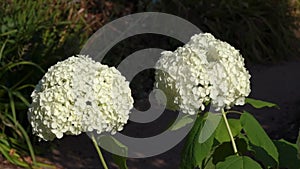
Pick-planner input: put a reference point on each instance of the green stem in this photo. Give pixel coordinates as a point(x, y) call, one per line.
point(99, 152)
point(234, 111)
point(229, 132)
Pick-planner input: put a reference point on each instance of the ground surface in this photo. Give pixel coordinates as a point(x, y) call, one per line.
point(275, 83)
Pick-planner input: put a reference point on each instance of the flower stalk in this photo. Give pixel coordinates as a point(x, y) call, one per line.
point(99, 152)
point(229, 132)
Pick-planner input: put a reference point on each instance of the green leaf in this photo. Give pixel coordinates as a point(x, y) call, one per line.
point(194, 152)
point(298, 144)
point(262, 156)
point(185, 120)
point(210, 125)
point(111, 143)
point(259, 103)
point(209, 164)
point(187, 155)
point(2, 49)
point(287, 154)
point(202, 150)
point(257, 136)
point(119, 150)
point(26, 138)
point(238, 162)
point(21, 97)
point(120, 161)
point(225, 149)
point(222, 133)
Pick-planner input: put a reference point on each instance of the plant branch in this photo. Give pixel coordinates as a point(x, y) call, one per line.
point(234, 111)
point(99, 152)
point(229, 132)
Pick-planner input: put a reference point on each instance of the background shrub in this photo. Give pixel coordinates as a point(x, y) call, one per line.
point(33, 36)
point(263, 31)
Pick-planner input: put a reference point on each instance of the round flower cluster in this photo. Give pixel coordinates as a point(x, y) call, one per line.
point(79, 95)
point(203, 70)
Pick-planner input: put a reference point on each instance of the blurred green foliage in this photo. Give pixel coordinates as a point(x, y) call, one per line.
point(263, 31)
point(33, 36)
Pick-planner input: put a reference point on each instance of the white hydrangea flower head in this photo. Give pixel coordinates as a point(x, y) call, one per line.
point(183, 79)
point(205, 69)
point(79, 95)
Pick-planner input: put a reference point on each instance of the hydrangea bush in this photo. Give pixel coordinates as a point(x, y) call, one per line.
point(79, 95)
point(209, 72)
